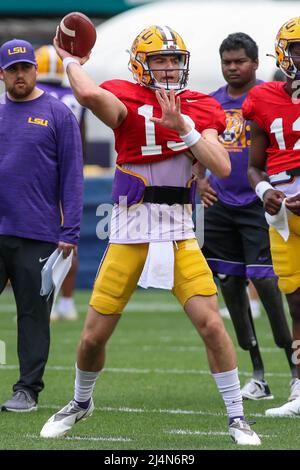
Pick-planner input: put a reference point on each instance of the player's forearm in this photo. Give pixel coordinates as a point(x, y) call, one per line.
point(212, 155)
point(107, 107)
point(82, 85)
point(256, 175)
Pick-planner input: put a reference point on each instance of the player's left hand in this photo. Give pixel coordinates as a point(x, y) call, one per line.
point(171, 116)
point(293, 204)
point(66, 248)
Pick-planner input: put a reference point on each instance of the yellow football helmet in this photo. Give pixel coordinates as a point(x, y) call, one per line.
point(50, 66)
point(157, 40)
point(288, 33)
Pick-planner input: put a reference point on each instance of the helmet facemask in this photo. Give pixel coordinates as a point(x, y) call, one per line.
point(295, 70)
point(182, 70)
point(288, 35)
point(286, 64)
point(158, 41)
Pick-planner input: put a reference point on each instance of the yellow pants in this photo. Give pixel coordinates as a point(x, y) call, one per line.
point(122, 266)
point(286, 256)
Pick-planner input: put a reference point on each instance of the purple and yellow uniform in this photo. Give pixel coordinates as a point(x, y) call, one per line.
point(158, 157)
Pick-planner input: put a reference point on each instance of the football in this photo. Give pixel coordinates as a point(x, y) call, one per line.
point(76, 34)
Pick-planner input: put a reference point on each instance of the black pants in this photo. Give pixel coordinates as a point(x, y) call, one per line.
point(21, 261)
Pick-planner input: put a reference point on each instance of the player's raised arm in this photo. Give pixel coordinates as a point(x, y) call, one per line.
point(205, 146)
point(106, 106)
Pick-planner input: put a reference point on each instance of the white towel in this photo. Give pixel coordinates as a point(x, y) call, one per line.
point(159, 266)
point(54, 273)
point(280, 221)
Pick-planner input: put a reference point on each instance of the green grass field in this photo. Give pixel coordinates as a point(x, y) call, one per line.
point(156, 391)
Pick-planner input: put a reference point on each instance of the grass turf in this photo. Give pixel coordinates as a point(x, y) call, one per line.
point(156, 391)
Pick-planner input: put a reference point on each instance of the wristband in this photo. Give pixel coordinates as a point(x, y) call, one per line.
point(261, 188)
point(191, 138)
point(69, 60)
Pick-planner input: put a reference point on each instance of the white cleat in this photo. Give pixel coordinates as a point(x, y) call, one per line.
point(62, 421)
point(256, 390)
point(291, 408)
point(242, 434)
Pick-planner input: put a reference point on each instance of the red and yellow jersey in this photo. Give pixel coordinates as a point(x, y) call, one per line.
point(278, 114)
point(138, 140)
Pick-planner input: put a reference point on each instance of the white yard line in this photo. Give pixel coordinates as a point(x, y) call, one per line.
point(116, 370)
point(198, 348)
point(131, 307)
point(85, 438)
point(187, 432)
point(125, 409)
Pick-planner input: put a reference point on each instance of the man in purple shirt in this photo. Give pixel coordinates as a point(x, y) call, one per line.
point(41, 189)
point(236, 243)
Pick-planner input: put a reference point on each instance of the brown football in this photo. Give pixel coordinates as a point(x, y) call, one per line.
point(76, 34)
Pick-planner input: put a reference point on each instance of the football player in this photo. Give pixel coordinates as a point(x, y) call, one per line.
point(157, 123)
point(236, 238)
point(274, 169)
point(50, 79)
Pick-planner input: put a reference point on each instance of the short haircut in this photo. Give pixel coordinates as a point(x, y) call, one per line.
point(237, 41)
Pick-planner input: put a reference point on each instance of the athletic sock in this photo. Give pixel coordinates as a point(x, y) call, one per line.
point(84, 386)
point(229, 386)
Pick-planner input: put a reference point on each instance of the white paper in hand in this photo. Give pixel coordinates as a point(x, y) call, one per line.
point(46, 274)
point(280, 221)
point(60, 269)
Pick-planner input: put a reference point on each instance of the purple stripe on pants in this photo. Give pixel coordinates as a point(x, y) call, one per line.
point(260, 271)
point(226, 267)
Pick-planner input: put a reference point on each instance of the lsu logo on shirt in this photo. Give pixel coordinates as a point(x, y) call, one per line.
point(38, 121)
point(234, 137)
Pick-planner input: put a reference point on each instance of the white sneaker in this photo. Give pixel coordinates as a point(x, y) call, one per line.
point(242, 434)
point(291, 408)
point(224, 312)
point(295, 389)
point(65, 309)
point(256, 390)
point(62, 421)
point(70, 314)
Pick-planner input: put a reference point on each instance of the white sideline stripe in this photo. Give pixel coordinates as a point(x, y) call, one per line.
point(200, 348)
point(184, 432)
point(187, 432)
point(150, 371)
point(79, 438)
point(142, 410)
point(158, 411)
point(131, 307)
